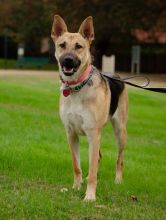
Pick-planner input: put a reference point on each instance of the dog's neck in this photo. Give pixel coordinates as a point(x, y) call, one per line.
point(83, 76)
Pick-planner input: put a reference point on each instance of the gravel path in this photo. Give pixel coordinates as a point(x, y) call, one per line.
point(156, 80)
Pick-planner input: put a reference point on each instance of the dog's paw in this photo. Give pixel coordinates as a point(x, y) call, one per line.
point(118, 178)
point(90, 197)
point(77, 185)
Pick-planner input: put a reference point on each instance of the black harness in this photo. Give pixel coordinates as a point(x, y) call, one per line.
point(116, 88)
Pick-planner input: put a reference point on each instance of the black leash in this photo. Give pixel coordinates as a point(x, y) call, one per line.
point(161, 90)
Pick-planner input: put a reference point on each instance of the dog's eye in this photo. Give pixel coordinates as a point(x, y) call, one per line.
point(78, 46)
point(62, 45)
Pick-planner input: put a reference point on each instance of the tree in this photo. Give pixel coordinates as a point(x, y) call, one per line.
point(27, 20)
point(114, 20)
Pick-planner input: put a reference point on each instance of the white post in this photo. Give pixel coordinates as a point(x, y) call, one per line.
point(135, 59)
point(108, 64)
point(20, 50)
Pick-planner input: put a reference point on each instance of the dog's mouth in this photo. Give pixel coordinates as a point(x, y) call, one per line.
point(68, 71)
point(69, 64)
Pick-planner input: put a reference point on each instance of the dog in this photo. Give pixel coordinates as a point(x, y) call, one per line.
point(88, 100)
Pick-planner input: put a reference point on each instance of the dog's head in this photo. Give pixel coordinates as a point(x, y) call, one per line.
point(72, 49)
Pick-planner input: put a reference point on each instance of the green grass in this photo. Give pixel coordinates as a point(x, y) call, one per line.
point(35, 162)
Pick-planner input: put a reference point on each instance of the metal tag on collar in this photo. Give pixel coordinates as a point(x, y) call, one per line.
point(90, 82)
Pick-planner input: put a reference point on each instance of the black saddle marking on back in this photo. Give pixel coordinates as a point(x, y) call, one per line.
point(116, 88)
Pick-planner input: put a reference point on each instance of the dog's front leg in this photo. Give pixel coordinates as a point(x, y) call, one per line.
point(94, 144)
point(75, 152)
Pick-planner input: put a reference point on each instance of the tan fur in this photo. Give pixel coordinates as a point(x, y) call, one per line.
point(87, 111)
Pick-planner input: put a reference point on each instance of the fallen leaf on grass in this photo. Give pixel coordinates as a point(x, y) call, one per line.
point(64, 190)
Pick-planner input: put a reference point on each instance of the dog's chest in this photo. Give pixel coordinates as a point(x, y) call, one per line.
point(75, 115)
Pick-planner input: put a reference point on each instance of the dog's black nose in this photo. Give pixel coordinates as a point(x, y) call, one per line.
point(68, 61)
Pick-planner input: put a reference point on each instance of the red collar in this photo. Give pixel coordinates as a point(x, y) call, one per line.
point(82, 77)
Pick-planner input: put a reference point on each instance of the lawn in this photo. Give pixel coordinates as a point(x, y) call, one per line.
point(35, 162)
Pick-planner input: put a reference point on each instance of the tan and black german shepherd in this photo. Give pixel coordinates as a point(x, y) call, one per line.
point(88, 100)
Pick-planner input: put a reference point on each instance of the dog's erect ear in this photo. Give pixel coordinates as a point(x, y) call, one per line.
point(58, 28)
point(86, 29)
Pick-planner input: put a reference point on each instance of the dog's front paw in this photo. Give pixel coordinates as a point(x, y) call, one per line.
point(77, 184)
point(90, 197)
point(118, 178)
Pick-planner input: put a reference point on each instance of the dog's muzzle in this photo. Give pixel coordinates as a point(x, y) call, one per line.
point(69, 64)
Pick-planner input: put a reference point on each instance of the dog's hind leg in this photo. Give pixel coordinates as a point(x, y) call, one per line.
point(94, 144)
point(75, 152)
point(119, 127)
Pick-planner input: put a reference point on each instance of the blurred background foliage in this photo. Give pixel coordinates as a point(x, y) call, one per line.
point(115, 21)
